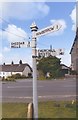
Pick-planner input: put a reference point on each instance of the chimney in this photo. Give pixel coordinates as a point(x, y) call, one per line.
point(20, 62)
point(3, 63)
point(12, 63)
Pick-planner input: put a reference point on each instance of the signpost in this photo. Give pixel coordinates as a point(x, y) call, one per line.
point(36, 34)
point(20, 44)
point(47, 52)
point(33, 44)
point(48, 30)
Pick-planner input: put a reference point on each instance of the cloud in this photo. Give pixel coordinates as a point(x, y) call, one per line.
point(1, 4)
point(14, 54)
point(8, 37)
point(66, 58)
point(23, 0)
point(16, 57)
point(1, 57)
point(1, 34)
point(73, 18)
point(15, 34)
point(25, 10)
point(63, 26)
point(6, 49)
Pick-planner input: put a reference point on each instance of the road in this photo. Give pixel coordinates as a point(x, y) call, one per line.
point(21, 90)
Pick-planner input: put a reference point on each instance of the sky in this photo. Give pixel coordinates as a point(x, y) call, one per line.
point(16, 19)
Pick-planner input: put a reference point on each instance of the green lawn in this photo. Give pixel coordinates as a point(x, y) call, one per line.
point(50, 109)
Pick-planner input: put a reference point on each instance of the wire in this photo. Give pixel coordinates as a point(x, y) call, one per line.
point(11, 33)
point(8, 23)
point(13, 27)
point(4, 20)
point(18, 30)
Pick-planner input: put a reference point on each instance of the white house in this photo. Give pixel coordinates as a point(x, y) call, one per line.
point(11, 69)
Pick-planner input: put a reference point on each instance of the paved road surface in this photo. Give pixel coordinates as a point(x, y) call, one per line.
point(21, 90)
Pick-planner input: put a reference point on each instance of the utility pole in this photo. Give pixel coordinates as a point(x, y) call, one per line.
point(34, 29)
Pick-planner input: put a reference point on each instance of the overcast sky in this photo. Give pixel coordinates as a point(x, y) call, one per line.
point(16, 17)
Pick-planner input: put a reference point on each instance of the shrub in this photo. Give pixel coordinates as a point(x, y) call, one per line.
point(73, 72)
point(10, 78)
point(29, 75)
point(41, 75)
point(17, 76)
point(23, 76)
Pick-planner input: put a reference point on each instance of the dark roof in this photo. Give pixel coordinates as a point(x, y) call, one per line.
point(14, 67)
point(76, 38)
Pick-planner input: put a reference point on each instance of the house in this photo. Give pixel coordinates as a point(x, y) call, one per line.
point(74, 53)
point(65, 69)
point(11, 69)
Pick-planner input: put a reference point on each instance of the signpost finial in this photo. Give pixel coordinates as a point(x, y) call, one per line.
point(34, 26)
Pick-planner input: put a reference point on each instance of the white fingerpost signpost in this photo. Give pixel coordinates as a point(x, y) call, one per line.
point(33, 44)
point(36, 34)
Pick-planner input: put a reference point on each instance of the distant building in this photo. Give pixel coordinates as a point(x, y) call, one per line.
point(65, 69)
point(74, 53)
point(11, 69)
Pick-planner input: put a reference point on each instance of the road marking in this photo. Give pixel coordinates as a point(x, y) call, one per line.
point(22, 86)
point(23, 80)
point(19, 86)
point(70, 86)
point(48, 96)
point(14, 97)
point(57, 96)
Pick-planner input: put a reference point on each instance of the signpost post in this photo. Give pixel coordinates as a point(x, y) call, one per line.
point(34, 28)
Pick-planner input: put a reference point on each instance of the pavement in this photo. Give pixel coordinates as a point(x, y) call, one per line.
point(22, 90)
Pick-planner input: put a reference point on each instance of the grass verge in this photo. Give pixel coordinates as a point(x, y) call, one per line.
point(49, 109)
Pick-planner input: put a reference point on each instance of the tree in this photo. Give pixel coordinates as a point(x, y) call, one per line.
point(50, 65)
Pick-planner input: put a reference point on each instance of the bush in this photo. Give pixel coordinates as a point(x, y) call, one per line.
point(50, 65)
point(29, 75)
point(23, 76)
point(10, 78)
point(73, 72)
point(41, 75)
point(17, 76)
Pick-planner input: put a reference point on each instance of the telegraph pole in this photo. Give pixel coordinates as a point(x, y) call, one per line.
point(34, 29)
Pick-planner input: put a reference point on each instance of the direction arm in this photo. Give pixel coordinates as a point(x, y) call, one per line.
point(48, 30)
